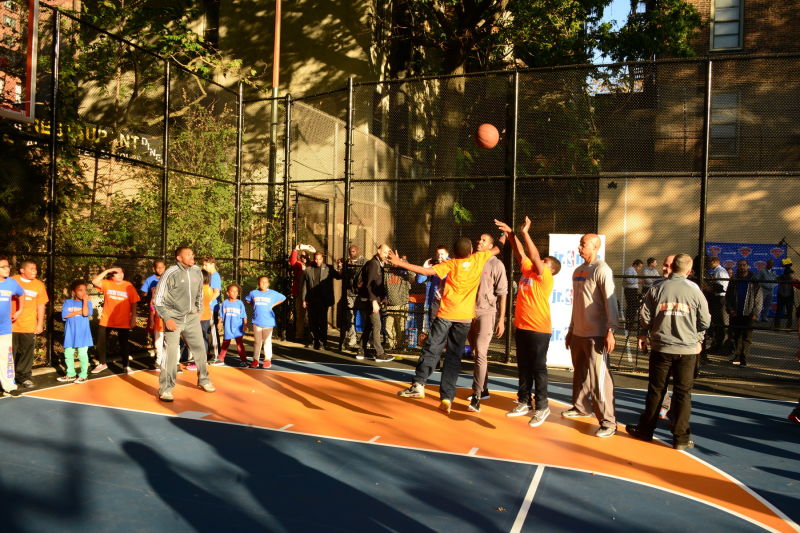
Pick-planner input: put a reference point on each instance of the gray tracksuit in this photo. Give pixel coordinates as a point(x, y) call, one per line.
point(179, 297)
point(675, 314)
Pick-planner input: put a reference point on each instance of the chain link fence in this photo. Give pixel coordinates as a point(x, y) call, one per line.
point(137, 155)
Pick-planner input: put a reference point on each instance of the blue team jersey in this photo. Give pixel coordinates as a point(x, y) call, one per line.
point(77, 332)
point(262, 302)
point(149, 284)
point(8, 289)
point(232, 314)
point(215, 282)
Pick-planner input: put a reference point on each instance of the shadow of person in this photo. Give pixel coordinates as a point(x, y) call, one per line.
point(285, 482)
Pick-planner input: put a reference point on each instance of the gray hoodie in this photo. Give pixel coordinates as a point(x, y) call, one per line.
point(179, 293)
point(675, 314)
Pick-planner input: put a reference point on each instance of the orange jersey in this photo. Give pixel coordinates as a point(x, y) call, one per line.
point(462, 277)
point(158, 324)
point(208, 296)
point(533, 299)
point(35, 295)
point(119, 302)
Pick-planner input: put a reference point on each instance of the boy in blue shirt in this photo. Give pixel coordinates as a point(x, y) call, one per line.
point(234, 320)
point(9, 288)
point(77, 332)
point(263, 301)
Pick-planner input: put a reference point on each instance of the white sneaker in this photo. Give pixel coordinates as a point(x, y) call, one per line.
point(539, 416)
point(99, 368)
point(519, 410)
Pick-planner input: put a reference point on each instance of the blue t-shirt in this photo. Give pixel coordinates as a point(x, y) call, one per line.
point(8, 289)
point(149, 284)
point(262, 302)
point(77, 332)
point(215, 282)
point(232, 315)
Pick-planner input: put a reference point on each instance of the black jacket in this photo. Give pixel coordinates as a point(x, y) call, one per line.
point(317, 286)
point(372, 287)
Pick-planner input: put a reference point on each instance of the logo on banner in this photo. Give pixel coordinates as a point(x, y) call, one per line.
point(745, 251)
point(714, 250)
point(777, 253)
point(761, 264)
point(729, 264)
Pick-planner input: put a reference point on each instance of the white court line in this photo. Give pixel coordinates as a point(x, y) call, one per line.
point(473, 451)
point(374, 439)
point(461, 454)
point(528, 501)
point(284, 428)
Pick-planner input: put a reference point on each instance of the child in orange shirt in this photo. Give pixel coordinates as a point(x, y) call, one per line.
point(205, 321)
point(119, 314)
point(451, 325)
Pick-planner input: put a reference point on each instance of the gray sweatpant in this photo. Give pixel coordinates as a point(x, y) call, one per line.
point(480, 337)
point(192, 334)
point(592, 385)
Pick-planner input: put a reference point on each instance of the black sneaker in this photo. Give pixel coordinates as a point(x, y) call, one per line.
point(633, 431)
point(475, 405)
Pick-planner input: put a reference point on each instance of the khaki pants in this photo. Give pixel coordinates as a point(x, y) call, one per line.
point(396, 318)
point(480, 336)
point(592, 385)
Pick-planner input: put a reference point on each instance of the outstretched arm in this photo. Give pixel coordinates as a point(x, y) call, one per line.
point(396, 260)
point(533, 252)
point(519, 255)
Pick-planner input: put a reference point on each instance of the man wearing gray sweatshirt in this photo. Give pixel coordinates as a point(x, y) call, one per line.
point(673, 319)
point(178, 300)
point(591, 338)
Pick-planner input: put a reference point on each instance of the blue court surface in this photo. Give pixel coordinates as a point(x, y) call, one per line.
point(84, 467)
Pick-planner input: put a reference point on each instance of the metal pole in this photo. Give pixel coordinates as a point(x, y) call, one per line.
point(237, 221)
point(273, 145)
point(348, 164)
point(511, 195)
point(165, 161)
point(51, 188)
point(700, 269)
point(287, 154)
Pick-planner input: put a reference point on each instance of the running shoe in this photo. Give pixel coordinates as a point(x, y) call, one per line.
point(267, 363)
point(385, 358)
point(484, 396)
point(474, 404)
point(606, 431)
point(255, 364)
point(445, 405)
point(99, 368)
point(573, 413)
point(414, 391)
point(191, 366)
point(218, 362)
point(65, 379)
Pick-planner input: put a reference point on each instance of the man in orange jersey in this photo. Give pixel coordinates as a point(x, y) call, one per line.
point(454, 318)
point(532, 320)
point(30, 322)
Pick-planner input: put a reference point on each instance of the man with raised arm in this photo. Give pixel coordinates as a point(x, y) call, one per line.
point(590, 338)
point(453, 320)
point(532, 320)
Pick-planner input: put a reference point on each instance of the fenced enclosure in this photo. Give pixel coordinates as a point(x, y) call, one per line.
point(131, 155)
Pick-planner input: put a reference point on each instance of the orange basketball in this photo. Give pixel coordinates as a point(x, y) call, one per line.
point(487, 136)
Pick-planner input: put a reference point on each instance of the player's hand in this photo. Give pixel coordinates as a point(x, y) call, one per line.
point(38, 329)
point(170, 324)
point(568, 339)
point(427, 263)
point(394, 258)
point(500, 328)
point(502, 226)
point(16, 315)
point(526, 225)
point(610, 342)
point(376, 307)
point(305, 304)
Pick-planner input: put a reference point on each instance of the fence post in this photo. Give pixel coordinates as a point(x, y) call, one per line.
point(700, 269)
point(51, 187)
point(512, 119)
point(348, 164)
point(287, 157)
point(165, 161)
point(237, 217)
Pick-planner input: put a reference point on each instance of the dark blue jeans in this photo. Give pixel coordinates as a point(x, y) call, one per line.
point(443, 333)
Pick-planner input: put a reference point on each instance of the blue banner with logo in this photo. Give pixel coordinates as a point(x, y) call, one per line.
point(755, 254)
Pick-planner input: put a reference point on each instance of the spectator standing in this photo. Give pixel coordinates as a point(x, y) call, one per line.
point(650, 274)
point(767, 277)
point(263, 301)
point(317, 297)
point(348, 302)
point(29, 323)
point(716, 287)
point(77, 332)
point(209, 264)
point(147, 288)
point(119, 315)
point(10, 290)
point(371, 293)
point(234, 322)
point(298, 260)
point(434, 285)
point(743, 301)
point(631, 287)
point(785, 308)
point(398, 286)
point(590, 338)
point(674, 316)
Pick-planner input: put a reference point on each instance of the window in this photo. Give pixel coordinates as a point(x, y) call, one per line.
point(9, 22)
point(724, 124)
point(2, 88)
point(11, 5)
point(18, 93)
point(726, 25)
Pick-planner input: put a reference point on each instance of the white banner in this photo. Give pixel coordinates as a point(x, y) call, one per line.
point(564, 247)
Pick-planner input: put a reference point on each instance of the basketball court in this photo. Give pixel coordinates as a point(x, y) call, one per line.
point(330, 447)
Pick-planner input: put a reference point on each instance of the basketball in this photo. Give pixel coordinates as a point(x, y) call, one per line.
point(487, 136)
